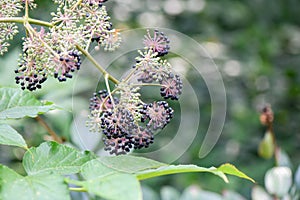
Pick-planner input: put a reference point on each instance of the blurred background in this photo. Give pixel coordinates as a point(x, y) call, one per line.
point(256, 47)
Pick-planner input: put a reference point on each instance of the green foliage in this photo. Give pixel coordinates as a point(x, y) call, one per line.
point(9, 136)
point(16, 104)
point(54, 158)
point(108, 177)
point(35, 187)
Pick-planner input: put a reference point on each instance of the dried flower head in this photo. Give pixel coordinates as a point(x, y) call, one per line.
point(266, 116)
point(54, 52)
point(33, 68)
point(171, 87)
point(158, 114)
point(8, 8)
point(159, 43)
point(101, 101)
point(64, 64)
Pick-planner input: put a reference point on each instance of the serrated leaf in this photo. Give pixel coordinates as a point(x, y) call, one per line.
point(145, 168)
point(16, 103)
point(54, 157)
point(36, 187)
point(175, 169)
point(107, 168)
point(117, 186)
point(232, 170)
point(130, 164)
point(109, 183)
point(95, 168)
point(9, 136)
point(7, 175)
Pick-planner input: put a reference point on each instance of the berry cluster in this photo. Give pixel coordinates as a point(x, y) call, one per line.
point(158, 43)
point(158, 114)
point(55, 51)
point(65, 64)
point(125, 120)
point(171, 86)
point(127, 127)
point(33, 68)
point(151, 68)
point(97, 2)
point(8, 8)
point(101, 101)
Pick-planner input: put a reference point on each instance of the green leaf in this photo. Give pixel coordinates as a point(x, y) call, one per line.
point(15, 103)
point(95, 168)
point(109, 183)
point(54, 157)
point(7, 175)
point(9, 136)
point(176, 169)
point(130, 164)
point(116, 186)
point(36, 187)
point(232, 170)
point(145, 168)
point(107, 176)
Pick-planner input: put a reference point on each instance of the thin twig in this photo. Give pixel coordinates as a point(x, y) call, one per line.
point(49, 130)
point(74, 189)
point(108, 89)
point(96, 64)
point(22, 20)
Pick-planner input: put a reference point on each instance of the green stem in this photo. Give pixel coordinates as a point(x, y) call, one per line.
point(26, 10)
point(106, 76)
point(22, 20)
point(32, 31)
point(27, 21)
point(276, 150)
point(77, 4)
point(129, 75)
point(99, 67)
point(49, 130)
point(77, 189)
point(146, 84)
point(154, 173)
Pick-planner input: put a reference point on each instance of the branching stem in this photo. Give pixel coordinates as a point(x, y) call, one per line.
point(146, 84)
point(23, 19)
point(49, 130)
point(27, 21)
point(75, 189)
point(97, 65)
point(106, 76)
